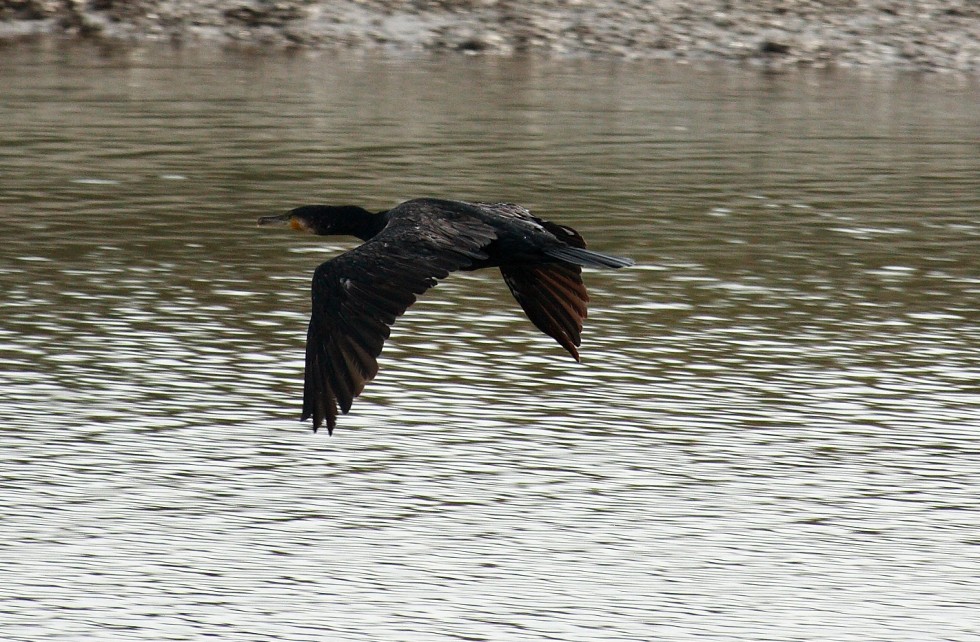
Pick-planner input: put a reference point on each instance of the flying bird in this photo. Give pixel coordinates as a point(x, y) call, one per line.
point(358, 295)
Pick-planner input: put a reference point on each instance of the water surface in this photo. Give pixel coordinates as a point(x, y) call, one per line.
point(773, 434)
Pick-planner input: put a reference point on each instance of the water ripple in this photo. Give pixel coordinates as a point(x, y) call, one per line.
point(772, 433)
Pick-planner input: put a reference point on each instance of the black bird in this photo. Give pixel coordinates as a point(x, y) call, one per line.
point(358, 295)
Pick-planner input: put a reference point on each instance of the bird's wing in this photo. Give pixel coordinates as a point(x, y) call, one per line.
point(358, 295)
point(512, 210)
point(553, 297)
point(552, 294)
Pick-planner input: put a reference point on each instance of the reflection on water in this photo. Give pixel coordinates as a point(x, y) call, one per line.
point(773, 434)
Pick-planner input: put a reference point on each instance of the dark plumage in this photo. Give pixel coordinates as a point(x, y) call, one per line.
point(358, 295)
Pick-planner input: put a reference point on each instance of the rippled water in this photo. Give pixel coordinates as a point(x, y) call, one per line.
point(774, 433)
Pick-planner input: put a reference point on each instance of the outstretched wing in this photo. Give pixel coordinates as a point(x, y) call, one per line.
point(358, 295)
point(554, 299)
point(552, 294)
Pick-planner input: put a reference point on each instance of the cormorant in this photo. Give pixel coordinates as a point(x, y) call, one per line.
point(358, 295)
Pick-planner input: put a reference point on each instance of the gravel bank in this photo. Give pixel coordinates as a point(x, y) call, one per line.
point(914, 34)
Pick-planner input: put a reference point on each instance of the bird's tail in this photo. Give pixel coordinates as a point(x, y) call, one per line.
point(588, 258)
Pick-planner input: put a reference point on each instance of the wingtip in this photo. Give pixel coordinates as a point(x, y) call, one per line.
point(572, 350)
point(319, 424)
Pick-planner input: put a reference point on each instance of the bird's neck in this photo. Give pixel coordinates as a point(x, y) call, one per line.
point(372, 224)
point(363, 224)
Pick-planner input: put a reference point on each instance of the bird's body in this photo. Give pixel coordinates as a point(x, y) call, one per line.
point(358, 295)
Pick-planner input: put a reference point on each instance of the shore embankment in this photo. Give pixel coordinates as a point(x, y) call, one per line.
point(933, 35)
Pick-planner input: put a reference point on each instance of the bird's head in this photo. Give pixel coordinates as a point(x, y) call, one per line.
point(320, 219)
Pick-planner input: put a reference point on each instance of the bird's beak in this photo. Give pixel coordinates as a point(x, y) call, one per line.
point(278, 219)
point(294, 222)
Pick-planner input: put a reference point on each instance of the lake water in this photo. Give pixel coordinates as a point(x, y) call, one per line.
point(774, 433)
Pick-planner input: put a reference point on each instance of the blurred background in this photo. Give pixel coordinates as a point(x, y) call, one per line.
point(773, 432)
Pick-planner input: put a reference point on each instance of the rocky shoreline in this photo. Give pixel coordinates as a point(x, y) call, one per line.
point(933, 35)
